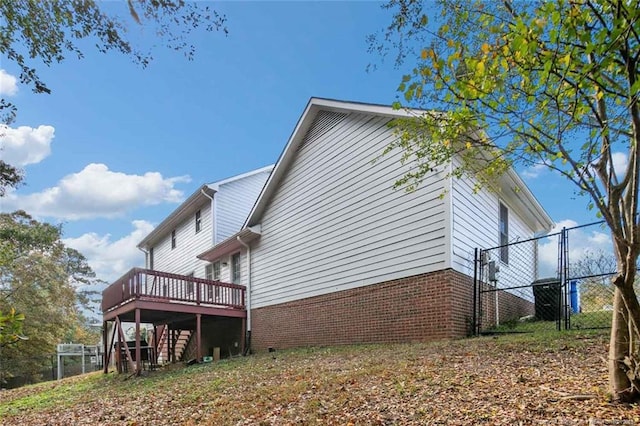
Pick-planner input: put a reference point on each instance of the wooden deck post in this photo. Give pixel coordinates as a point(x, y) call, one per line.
point(118, 350)
point(173, 346)
point(168, 343)
point(127, 352)
point(155, 347)
point(138, 349)
point(198, 337)
point(105, 348)
point(243, 335)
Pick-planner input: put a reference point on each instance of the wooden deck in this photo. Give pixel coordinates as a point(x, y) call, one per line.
point(174, 301)
point(171, 293)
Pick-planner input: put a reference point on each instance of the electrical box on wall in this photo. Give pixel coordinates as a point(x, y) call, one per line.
point(493, 270)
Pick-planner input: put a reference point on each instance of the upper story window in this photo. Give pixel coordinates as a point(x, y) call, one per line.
point(504, 233)
point(235, 268)
point(198, 221)
point(151, 258)
point(173, 239)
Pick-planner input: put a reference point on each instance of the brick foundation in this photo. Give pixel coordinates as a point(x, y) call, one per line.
point(436, 305)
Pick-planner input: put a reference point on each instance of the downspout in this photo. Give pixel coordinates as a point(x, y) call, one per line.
point(247, 338)
point(213, 222)
point(146, 257)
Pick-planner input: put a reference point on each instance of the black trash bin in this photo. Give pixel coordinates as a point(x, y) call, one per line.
point(547, 295)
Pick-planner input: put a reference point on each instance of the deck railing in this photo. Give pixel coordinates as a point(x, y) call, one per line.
point(165, 287)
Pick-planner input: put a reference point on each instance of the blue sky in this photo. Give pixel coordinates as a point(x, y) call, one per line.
point(115, 148)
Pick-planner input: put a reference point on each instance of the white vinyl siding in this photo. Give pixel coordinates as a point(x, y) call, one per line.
point(475, 219)
point(234, 201)
point(234, 198)
point(182, 259)
point(335, 221)
point(475, 223)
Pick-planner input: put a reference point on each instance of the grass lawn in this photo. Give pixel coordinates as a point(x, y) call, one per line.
point(582, 321)
point(550, 378)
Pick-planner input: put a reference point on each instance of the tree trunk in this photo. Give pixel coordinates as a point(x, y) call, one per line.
point(619, 383)
point(623, 347)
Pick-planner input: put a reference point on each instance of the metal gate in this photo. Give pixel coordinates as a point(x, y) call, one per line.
point(539, 284)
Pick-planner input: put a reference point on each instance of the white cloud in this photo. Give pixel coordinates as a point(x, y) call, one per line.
point(97, 191)
point(565, 223)
point(25, 145)
point(620, 162)
point(110, 259)
point(534, 171)
point(8, 84)
point(581, 240)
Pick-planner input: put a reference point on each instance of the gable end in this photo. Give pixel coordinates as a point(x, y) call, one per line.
point(324, 121)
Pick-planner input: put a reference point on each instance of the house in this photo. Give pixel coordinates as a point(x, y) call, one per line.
point(332, 254)
point(193, 305)
point(209, 216)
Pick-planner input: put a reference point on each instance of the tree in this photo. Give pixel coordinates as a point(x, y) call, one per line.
point(550, 84)
point(11, 328)
point(83, 279)
point(35, 32)
point(38, 278)
point(19, 236)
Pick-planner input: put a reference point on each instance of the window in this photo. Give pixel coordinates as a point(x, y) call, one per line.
point(198, 221)
point(190, 284)
point(173, 239)
point(212, 271)
point(504, 233)
point(235, 268)
point(151, 258)
point(216, 271)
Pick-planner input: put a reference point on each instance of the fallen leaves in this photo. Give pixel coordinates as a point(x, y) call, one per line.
point(502, 381)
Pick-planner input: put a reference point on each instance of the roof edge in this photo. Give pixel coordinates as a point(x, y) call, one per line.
point(314, 105)
point(231, 244)
point(216, 185)
point(523, 189)
point(173, 218)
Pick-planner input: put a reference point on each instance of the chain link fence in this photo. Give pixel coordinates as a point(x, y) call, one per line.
point(23, 371)
point(560, 281)
point(27, 370)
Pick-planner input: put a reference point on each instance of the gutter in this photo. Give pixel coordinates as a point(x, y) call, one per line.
point(175, 217)
point(247, 338)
